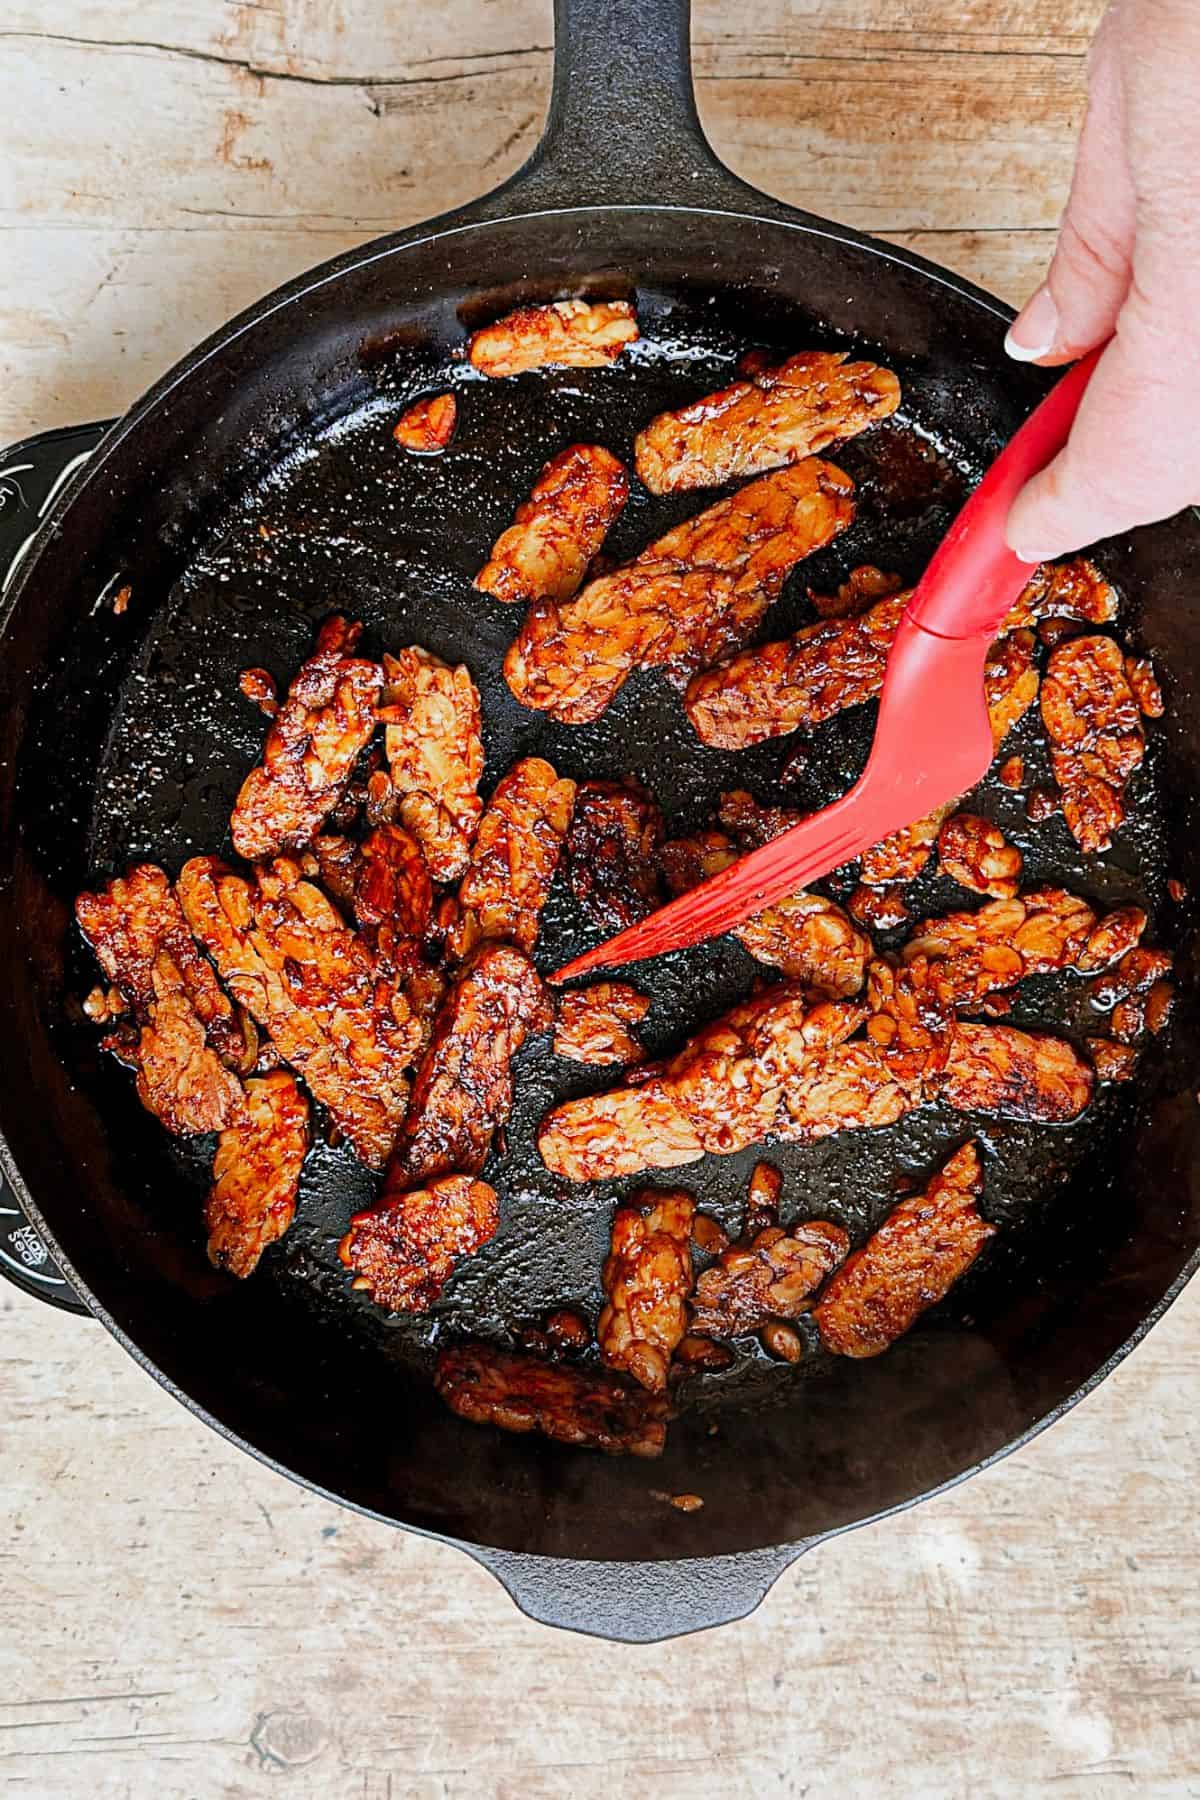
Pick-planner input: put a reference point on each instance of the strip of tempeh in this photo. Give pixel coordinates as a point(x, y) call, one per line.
point(1069, 590)
point(612, 852)
point(647, 1279)
point(188, 1033)
point(771, 1277)
point(794, 683)
point(290, 960)
point(545, 552)
point(404, 1250)
point(516, 853)
point(585, 1407)
point(1096, 738)
point(687, 599)
point(311, 748)
point(785, 413)
point(722, 1092)
point(428, 425)
point(130, 923)
point(922, 1248)
point(805, 935)
point(594, 1024)
point(1011, 1074)
point(1044, 929)
point(780, 1066)
point(434, 747)
point(256, 1173)
point(463, 1087)
point(575, 334)
point(976, 854)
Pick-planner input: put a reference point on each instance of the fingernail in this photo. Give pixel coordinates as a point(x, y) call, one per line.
point(1033, 331)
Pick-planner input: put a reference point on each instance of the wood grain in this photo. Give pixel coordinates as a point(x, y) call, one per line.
point(176, 1621)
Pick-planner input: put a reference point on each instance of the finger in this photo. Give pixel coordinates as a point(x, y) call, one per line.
point(1132, 457)
point(1077, 306)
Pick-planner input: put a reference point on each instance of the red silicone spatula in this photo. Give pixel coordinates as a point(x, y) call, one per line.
point(932, 741)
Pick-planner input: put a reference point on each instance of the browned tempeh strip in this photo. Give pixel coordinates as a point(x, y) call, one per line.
point(594, 1024)
point(779, 1066)
point(1096, 737)
point(340, 1021)
point(722, 1091)
point(404, 1250)
point(769, 1277)
point(463, 1087)
point(796, 409)
point(187, 1031)
point(256, 1173)
point(922, 1248)
point(1044, 929)
point(585, 1407)
point(434, 747)
point(556, 532)
point(689, 597)
point(577, 334)
point(311, 748)
point(515, 856)
point(647, 1279)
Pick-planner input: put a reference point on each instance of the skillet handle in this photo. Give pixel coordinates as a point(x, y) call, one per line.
point(638, 1602)
point(622, 128)
point(26, 1262)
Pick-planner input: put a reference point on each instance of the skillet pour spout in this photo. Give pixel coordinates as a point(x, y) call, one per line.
point(273, 420)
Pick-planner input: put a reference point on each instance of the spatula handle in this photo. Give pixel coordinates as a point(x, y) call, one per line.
point(974, 578)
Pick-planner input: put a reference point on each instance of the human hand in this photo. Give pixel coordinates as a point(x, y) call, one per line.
point(1127, 266)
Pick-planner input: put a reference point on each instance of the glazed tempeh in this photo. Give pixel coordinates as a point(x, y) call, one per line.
point(806, 936)
point(770, 1277)
point(1069, 590)
point(584, 1407)
point(427, 427)
point(554, 535)
point(1010, 1074)
point(782, 415)
point(797, 682)
point(434, 747)
point(780, 1066)
point(692, 595)
point(913, 1260)
point(311, 748)
point(976, 854)
point(594, 1024)
point(722, 1092)
point(404, 1250)
point(612, 852)
point(133, 921)
point(1044, 929)
point(577, 334)
point(514, 858)
point(256, 1173)
point(647, 1279)
point(187, 1029)
point(463, 1086)
point(311, 983)
point(1094, 725)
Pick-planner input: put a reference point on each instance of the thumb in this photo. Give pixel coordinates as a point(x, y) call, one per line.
point(1077, 305)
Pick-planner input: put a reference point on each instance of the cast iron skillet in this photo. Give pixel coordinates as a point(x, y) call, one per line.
point(124, 736)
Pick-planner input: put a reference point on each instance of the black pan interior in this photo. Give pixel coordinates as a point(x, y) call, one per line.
point(240, 523)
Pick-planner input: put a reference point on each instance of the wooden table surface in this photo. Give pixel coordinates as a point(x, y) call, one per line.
point(176, 1621)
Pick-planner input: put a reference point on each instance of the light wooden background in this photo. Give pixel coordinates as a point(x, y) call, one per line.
point(176, 1623)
